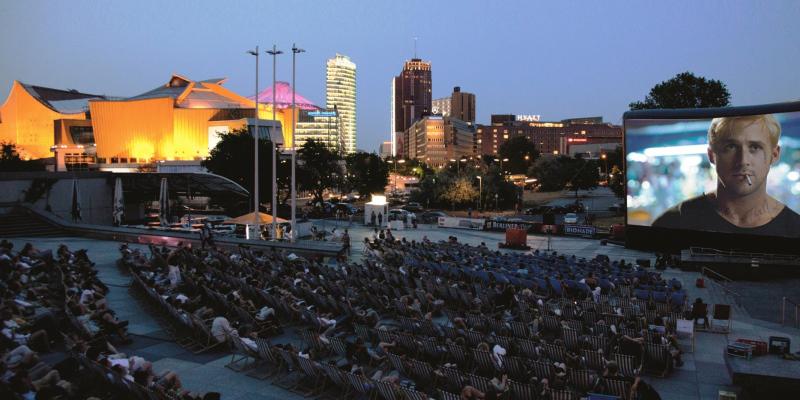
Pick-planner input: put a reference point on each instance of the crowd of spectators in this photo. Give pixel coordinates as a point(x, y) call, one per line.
point(429, 320)
point(60, 337)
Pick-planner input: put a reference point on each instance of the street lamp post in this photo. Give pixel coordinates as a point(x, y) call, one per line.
point(274, 52)
point(292, 236)
point(605, 166)
point(480, 190)
point(255, 165)
point(502, 172)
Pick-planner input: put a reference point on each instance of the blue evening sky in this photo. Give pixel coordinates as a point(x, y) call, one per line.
point(559, 59)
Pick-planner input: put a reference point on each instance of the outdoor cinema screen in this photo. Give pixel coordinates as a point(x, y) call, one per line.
point(728, 170)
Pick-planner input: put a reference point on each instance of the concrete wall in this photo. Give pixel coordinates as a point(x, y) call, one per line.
point(95, 190)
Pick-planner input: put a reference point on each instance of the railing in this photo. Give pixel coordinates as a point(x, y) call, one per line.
point(787, 258)
point(784, 301)
point(723, 283)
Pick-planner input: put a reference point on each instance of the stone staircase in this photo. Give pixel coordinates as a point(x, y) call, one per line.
point(20, 222)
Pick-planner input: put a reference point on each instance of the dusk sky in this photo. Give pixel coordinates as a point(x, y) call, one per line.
point(559, 59)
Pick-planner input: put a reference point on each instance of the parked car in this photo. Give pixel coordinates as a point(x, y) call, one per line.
point(413, 206)
point(571, 218)
point(347, 208)
point(432, 217)
point(538, 210)
point(398, 214)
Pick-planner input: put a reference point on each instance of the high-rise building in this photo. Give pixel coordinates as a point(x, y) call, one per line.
point(462, 105)
point(441, 106)
point(341, 94)
point(324, 126)
point(411, 97)
point(435, 140)
point(385, 150)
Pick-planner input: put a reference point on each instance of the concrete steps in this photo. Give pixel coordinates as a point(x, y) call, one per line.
point(22, 223)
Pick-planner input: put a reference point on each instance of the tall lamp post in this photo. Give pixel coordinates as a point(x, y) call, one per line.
point(295, 50)
point(255, 139)
point(274, 53)
point(480, 190)
point(605, 166)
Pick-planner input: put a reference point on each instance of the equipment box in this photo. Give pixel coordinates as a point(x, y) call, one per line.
point(740, 350)
point(759, 347)
point(779, 345)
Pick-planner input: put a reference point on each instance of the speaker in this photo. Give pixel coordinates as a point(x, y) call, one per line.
point(549, 219)
point(643, 262)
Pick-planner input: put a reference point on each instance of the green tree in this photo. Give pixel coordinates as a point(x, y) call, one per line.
point(318, 168)
point(617, 181)
point(495, 184)
point(550, 173)
point(584, 174)
point(366, 173)
point(461, 191)
point(11, 162)
point(233, 157)
point(520, 152)
point(685, 90)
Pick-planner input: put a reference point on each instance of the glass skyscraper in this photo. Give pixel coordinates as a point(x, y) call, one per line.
point(341, 93)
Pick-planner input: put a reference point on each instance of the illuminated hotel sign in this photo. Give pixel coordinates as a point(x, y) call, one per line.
point(528, 118)
point(576, 140)
point(322, 114)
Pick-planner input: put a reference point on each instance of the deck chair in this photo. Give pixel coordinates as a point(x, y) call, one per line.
point(582, 379)
point(594, 360)
point(658, 358)
point(521, 390)
point(361, 385)
point(387, 390)
point(410, 394)
point(443, 395)
point(563, 395)
point(685, 330)
point(720, 321)
point(315, 382)
point(242, 356)
point(269, 361)
point(627, 364)
point(617, 387)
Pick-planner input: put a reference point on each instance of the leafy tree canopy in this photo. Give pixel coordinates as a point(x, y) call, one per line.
point(520, 152)
point(366, 173)
point(11, 162)
point(685, 90)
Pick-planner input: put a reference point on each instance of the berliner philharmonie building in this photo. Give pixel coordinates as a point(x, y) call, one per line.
point(178, 121)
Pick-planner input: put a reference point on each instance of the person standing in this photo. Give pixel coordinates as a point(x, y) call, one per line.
point(372, 218)
point(346, 241)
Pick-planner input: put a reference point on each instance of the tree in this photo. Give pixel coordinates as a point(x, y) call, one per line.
point(550, 173)
point(366, 173)
point(318, 168)
point(617, 182)
point(685, 90)
point(233, 158)
point(11, 162)
point(556, 173)
point(520, 152)
point(460, 191)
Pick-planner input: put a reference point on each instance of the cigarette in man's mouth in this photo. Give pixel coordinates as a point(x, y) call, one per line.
point(749, 181)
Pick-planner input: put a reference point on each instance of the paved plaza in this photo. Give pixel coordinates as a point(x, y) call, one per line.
point(701, 377)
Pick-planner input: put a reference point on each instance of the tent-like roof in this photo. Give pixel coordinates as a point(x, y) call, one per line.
point(68, 101)
point(148, 184)
point(284, 97)
point(189, 93)
point(248, 218)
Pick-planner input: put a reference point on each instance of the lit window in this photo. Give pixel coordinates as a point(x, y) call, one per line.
point(505, 136)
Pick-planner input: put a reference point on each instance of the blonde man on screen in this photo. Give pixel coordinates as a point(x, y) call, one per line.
point(742, 149)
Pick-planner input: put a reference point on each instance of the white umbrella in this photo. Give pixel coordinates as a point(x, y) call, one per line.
point(76, 202)
point(163, 204)
point(119, 203)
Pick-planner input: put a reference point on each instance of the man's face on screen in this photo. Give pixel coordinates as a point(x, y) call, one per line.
point(747, 152)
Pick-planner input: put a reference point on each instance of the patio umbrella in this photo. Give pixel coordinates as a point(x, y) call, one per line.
point(119, 204)
point(163, 203)
point(76, 202)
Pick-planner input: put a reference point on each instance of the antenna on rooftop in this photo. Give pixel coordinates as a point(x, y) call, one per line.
point(415, 46)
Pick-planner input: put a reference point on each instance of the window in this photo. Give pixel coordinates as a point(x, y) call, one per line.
point(504, 137)
point(115, 160)
point(133, 159)
point(123, 160)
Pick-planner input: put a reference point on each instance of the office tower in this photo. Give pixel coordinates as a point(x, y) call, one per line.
point(462, 105)
point(411, 96)
point(341, 94)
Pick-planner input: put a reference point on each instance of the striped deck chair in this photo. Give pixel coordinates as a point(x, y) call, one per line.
point(430, 348)
point(397, 363)
point(315, 382)
point(542, 370)
point(291, 368)
point(484, 362)
point(563, 395)
point(522, 391)
point(313, 341)
point(361, 384)
point(338, 378)
point(658, 358)
point(617, 387)
point(551, 324)
point(450, 332)
point(571, 339)
point(554, 352)
point(269, 360)
point(443, 395)
point(582, 379)
point(385, 336)
point(459, 354)
point(515, 367)
point(627, 364)
point(479, 382)
point(598, 343)
point(362, 332)
point(338, 346)
point(528, 348)
point(473, 337)
point(498, 326)
point(421, 371)
point(519, 329)
point(246, 356)
point(454, 380)
point(387, 390)
point(407, 342)
point(410, 394)
point(594, 360)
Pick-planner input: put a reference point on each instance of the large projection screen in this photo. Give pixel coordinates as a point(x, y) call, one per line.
point(714, 176)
